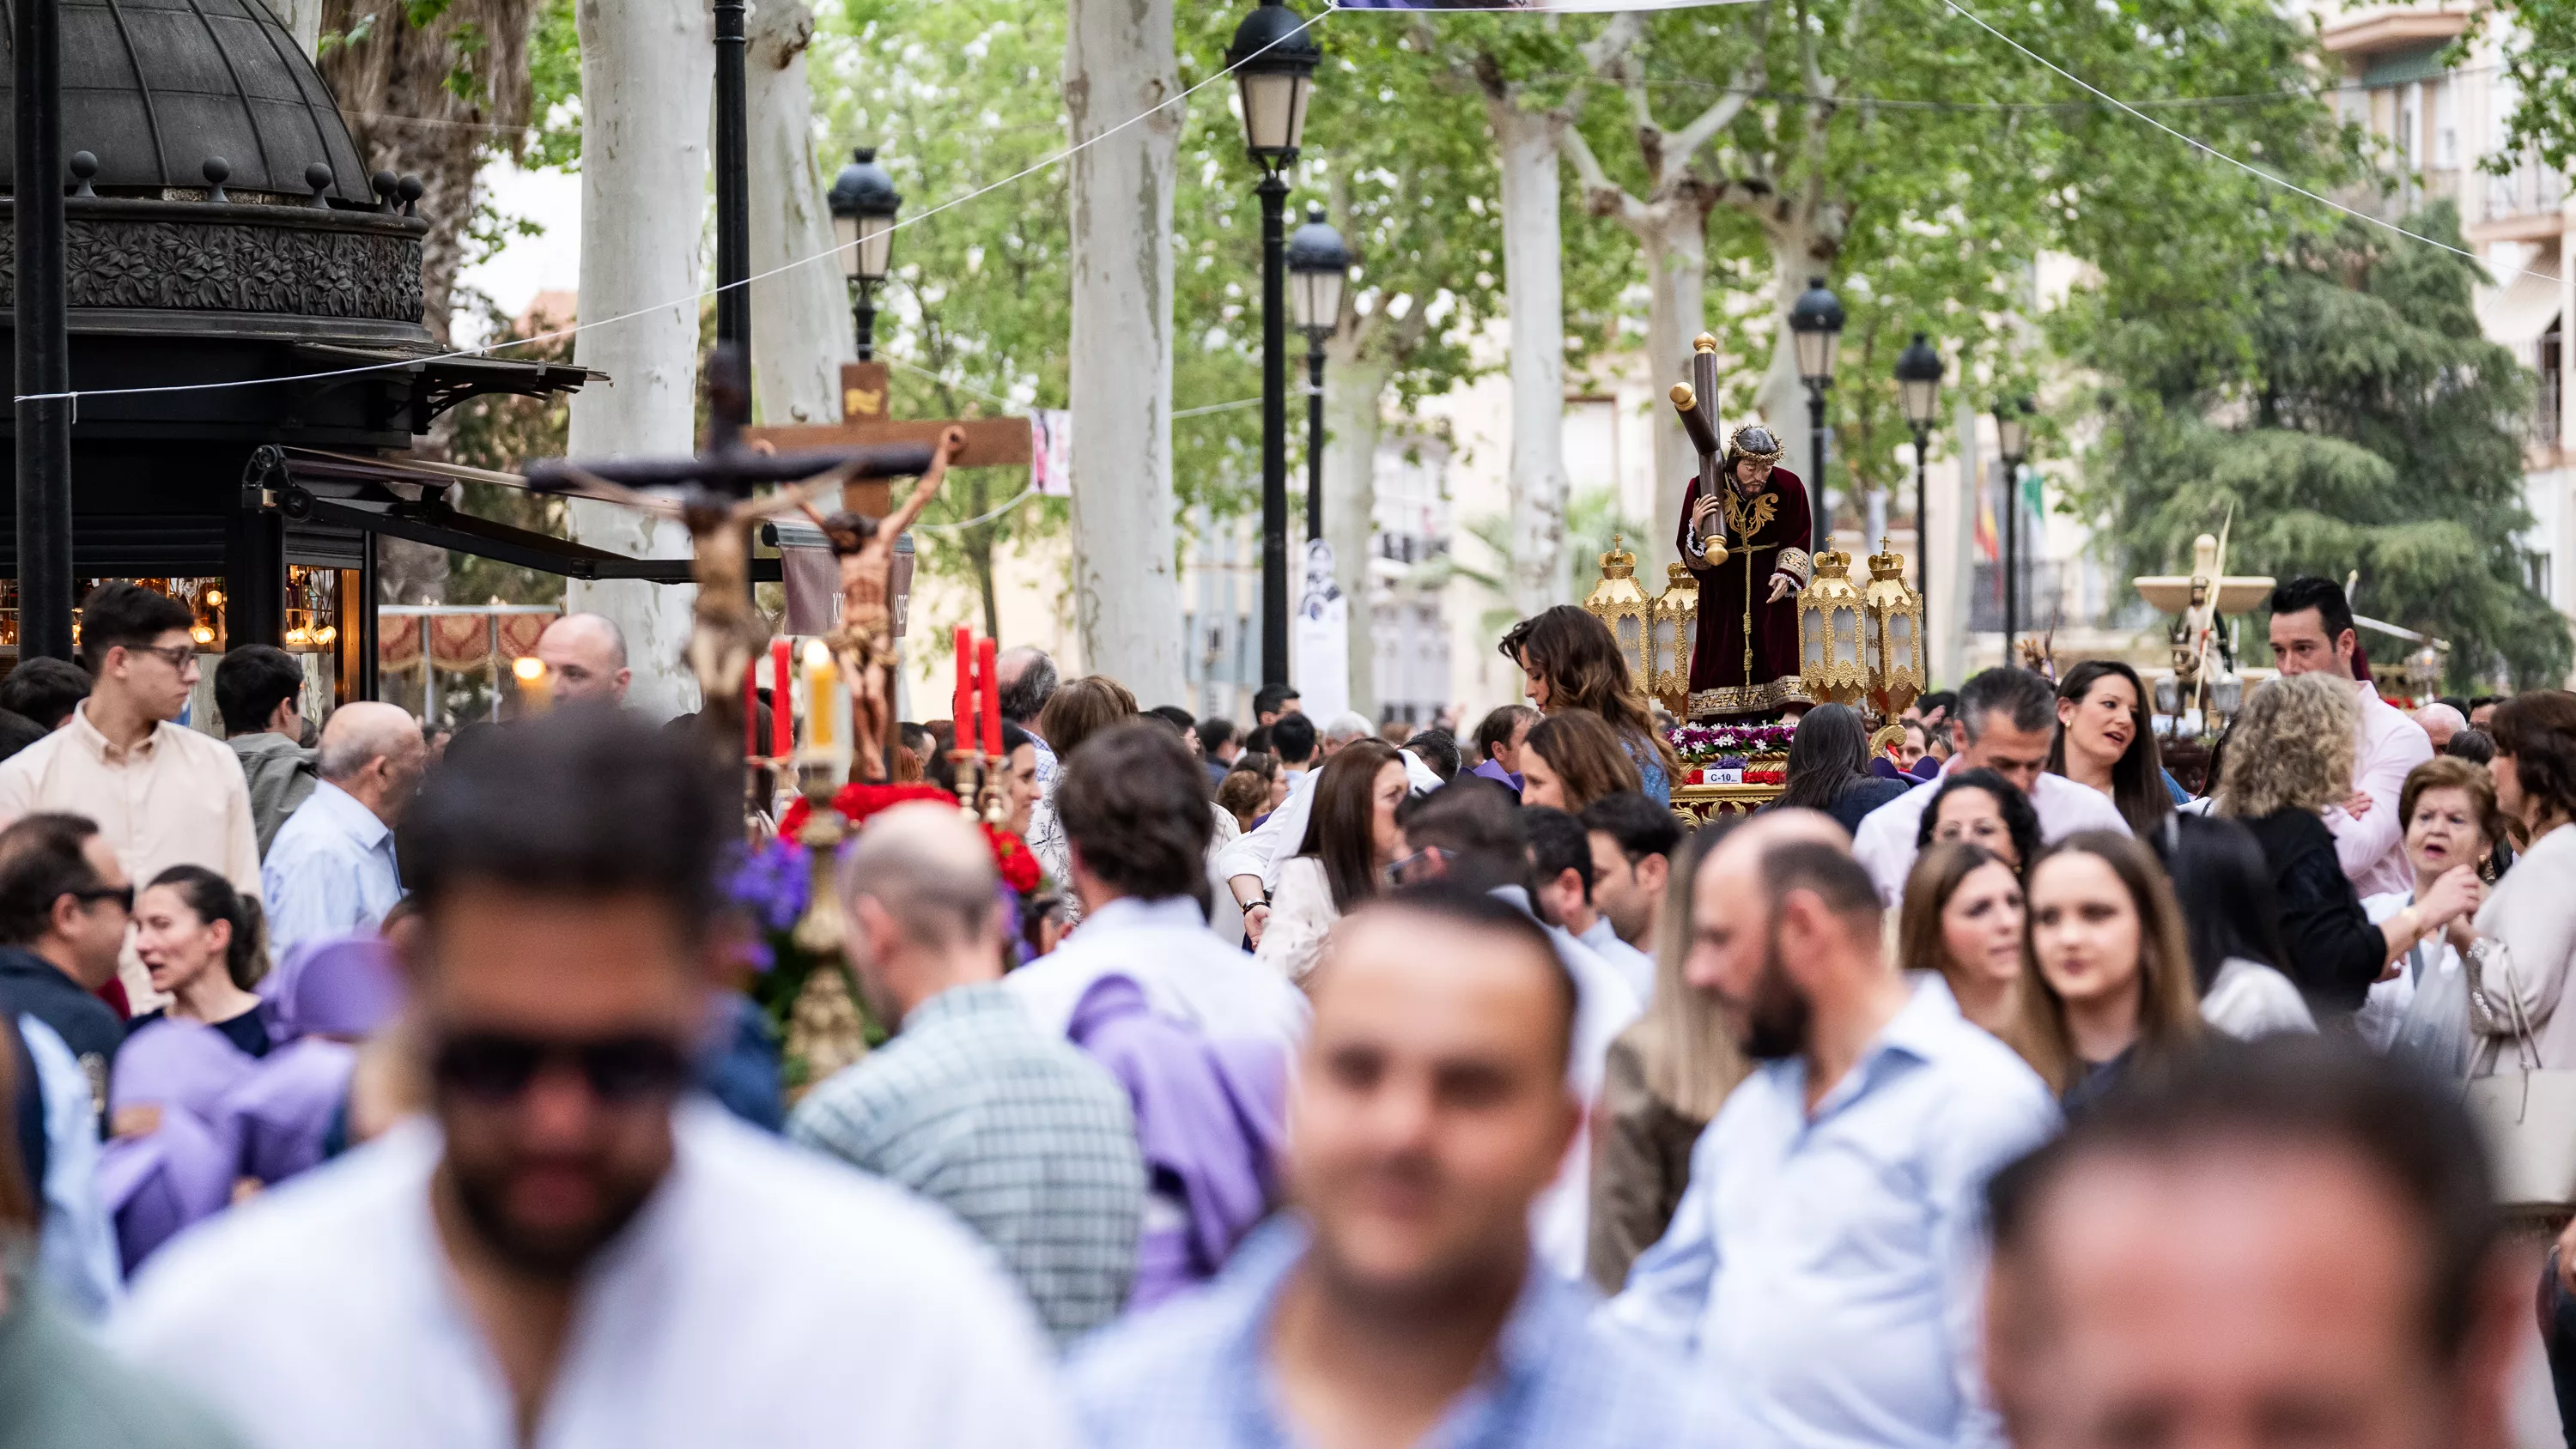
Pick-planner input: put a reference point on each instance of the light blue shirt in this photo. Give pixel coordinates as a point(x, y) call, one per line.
point(330, 872)
point(1824, 1270)
point(76, 1250)
point(1195, 1373)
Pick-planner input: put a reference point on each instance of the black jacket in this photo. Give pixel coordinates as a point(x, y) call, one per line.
point(2335, 952)
point(30, 985)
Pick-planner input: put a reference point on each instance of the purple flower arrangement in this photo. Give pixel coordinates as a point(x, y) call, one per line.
point(1705, 744)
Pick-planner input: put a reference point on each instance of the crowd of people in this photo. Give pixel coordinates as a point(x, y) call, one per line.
point(1360, 1085)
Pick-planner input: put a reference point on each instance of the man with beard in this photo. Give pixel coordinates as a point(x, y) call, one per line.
point(1822, 1267)
point(568, 1254)
point(1400, 1300)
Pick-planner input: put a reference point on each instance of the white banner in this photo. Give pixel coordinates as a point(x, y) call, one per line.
point(1319, 639)
point(1051, 452)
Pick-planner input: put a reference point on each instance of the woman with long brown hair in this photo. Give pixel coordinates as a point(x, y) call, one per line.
point(1571, 662)
point(1570, 760)
point(1351, 838)
point(1963, 923)
point(2105, 741)
point(2108, 962)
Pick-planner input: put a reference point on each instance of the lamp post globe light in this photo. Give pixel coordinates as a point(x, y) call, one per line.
point(2012, 439)
point(863, 203)
point(1274, 60)
point(1319, 262)
point(1918, 391)
point(1816, 325)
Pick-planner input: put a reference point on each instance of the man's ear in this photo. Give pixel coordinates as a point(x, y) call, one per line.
point(1958, 737)
point(1655, 872)
point(64, 917)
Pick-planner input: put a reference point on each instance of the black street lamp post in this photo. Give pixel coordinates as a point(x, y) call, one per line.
point(1274, 62)
point(43, 342)
point(1918, 389)
point(2012, 439)
point(1318, 263)
point(1816, 323)
point(864, 203)
point(733, 180)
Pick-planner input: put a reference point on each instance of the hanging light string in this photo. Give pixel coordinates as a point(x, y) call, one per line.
point(487, 349)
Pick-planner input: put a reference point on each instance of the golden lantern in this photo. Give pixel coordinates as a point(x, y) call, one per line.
point(1618, 602)
point(1675, 629)
point(1832, 625)
point(1897, 669)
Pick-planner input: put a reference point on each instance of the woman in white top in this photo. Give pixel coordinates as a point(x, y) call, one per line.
point(1351, 838)
point(2225, 891)
point(2526, 931)
point(2452, 823)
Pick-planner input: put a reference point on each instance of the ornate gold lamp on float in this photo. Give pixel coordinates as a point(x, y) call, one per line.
point(1673, 629)
point(1893, 616)
point(1619, 602)
point(1833, 629)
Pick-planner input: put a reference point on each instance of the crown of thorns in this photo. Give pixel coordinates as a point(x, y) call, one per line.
point(1755, 442)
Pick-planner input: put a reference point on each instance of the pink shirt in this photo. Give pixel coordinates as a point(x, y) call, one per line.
point(2386, 749)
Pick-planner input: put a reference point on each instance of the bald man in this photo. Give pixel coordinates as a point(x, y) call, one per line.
point(585, 658)
point(972, 1105)
point(331, 870)
point(2440, 722)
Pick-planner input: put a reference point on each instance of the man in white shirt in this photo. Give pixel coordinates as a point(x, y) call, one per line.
point(1137, 825)
point(2005, 722)
point(162, 794)
point(1821, 1271)
point(565, 1254)
point(1561, 880)
point(2312, 632)
point(331, 871)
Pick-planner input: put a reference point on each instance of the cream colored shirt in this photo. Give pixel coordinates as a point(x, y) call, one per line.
point(177, 798)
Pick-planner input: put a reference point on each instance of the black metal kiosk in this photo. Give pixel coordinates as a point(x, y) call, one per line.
point(221, 231)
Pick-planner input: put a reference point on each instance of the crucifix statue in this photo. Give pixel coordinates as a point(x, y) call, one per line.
point(711, 494)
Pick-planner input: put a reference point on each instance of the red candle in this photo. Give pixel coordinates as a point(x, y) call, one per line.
point(961, 710)
point(985, 675)
point(782, 702)
point(751, 708)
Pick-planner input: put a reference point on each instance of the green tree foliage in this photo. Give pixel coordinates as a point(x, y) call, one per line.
point(2368, 427)
point(957, 95)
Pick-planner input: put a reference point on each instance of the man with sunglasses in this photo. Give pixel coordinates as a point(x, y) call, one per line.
point(568, 1253)
point(64, 903)
point(162, 794)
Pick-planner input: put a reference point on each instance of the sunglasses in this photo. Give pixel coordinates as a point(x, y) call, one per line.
point(495, 1067)
point(123, 896)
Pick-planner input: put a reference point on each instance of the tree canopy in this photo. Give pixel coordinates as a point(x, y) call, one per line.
point(2367, 426)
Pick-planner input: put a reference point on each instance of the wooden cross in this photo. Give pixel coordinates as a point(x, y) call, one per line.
point(711, 493)
point(866, 422)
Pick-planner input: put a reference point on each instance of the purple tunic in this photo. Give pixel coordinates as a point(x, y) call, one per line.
point(283, 1110)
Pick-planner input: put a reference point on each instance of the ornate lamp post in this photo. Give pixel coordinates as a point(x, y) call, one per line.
point(1817, 324)
point(2012, 439)
point(864, 203)
point(1274, 60)
point(1918, 390)
point(1318, 263)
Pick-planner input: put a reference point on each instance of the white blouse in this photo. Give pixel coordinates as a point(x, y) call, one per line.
point(2250, 999)
point(1301, 915)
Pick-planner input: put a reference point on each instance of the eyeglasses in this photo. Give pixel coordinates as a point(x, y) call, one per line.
point(495, 1068)
point(1429, 863)
point(123, 896)
point(177, 656)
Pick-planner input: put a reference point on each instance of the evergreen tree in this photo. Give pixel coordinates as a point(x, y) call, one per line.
point(2366, 425)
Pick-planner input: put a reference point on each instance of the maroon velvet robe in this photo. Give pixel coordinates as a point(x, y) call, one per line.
point(1720, 686)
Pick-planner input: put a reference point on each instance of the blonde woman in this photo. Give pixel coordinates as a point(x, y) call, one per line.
point(2288, 758)
point(1666, 1077)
